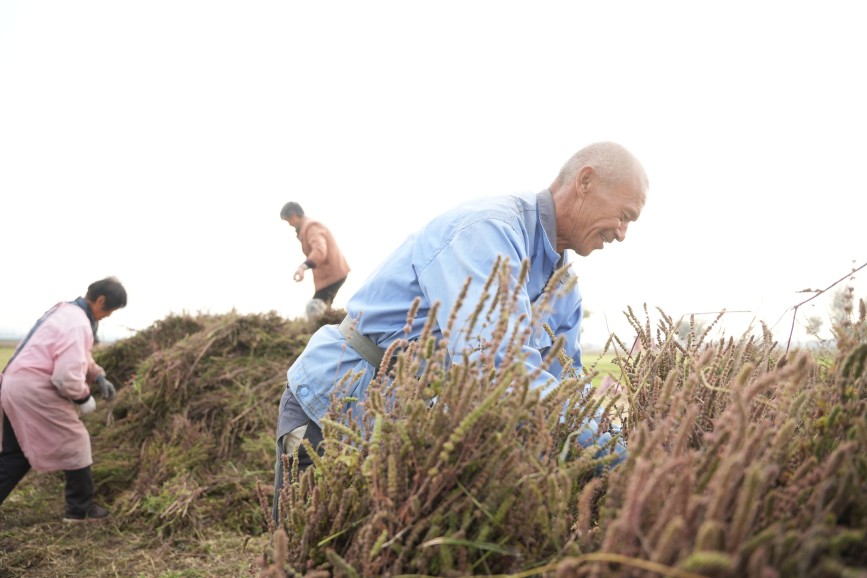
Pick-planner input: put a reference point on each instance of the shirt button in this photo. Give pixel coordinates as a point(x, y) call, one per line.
point(303, 391)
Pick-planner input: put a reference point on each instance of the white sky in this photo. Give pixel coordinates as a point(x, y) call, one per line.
point(157, 141)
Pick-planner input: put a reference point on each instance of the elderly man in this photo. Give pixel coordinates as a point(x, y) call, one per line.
point(596, 195)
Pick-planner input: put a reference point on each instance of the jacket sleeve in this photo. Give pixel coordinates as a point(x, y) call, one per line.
point(71, 362)
point(94, 370)
point(318, 244)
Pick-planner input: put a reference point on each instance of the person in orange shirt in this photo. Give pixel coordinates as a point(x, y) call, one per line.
point(322, 254)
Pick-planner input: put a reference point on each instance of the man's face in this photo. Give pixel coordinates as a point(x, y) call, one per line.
point(600, 214)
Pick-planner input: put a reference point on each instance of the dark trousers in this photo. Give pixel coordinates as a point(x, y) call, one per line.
point(14, 465)
point(328, 293)
point(286, 446)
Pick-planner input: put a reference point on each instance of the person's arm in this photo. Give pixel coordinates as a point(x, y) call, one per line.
point(318, 243)
point(93, 370)
point(316, 240)
point(96, 376)
point(471, 253)
point(71, 363)
point(299, 272)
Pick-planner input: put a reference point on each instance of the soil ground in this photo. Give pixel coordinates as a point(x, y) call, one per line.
point(34, 542)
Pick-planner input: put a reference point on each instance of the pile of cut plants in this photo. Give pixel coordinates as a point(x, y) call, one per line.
point(191, 432)
point(744, 460)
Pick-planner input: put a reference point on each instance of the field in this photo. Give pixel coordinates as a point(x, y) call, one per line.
point(34, 542)
point(744, 460)
point(6, 350)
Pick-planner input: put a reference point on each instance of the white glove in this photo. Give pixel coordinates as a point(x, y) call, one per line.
point(87, 407)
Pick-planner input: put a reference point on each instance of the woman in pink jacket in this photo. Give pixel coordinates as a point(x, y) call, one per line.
point(45, 387)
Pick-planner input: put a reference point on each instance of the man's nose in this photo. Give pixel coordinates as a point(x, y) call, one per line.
point(620, 232)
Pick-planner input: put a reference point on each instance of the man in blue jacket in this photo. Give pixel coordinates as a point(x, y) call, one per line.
point(599, 191)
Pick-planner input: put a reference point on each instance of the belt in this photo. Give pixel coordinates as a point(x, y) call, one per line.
point(370, 351)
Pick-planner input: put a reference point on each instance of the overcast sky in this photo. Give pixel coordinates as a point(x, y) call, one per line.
point(157, 141)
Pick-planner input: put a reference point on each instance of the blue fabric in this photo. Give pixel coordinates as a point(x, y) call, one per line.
point(94, 324)
point(433, 265)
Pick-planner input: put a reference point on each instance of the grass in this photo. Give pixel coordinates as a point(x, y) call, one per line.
point(6, 351)
point(603, 365)
point(34, 542)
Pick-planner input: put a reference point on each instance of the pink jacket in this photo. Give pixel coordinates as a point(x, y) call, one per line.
point(52, 369)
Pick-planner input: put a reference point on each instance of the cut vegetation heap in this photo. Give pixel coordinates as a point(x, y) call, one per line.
point(192, 429)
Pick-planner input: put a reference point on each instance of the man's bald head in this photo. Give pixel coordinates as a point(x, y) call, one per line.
point(611, 162)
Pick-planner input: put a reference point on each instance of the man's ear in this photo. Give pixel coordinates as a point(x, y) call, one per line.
point(585, 180)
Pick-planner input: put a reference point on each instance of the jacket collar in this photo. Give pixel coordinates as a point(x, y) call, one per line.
point(548, 219)
point(82, 302)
